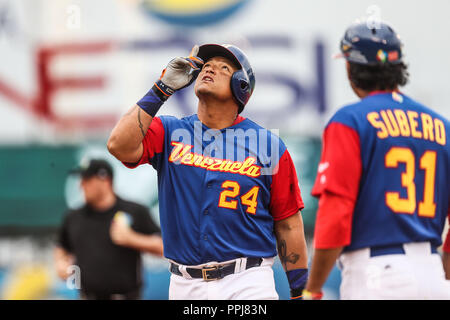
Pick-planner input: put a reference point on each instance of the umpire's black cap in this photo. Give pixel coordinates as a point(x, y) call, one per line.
point(94, 167)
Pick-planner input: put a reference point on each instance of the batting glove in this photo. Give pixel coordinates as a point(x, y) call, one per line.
point(180, 73)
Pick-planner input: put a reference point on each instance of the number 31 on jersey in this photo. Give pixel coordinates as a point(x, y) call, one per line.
point(427, 207)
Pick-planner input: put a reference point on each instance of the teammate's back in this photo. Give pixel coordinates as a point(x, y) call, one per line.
point(405, 175)
point(383, 181)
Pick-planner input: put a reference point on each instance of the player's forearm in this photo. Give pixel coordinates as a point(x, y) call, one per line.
point(291, 243)
point(446, 263)
point(322, 264)
point(125, 141)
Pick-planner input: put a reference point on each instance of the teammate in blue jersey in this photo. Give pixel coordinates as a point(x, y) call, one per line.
point(383, 182)
point(228, 189)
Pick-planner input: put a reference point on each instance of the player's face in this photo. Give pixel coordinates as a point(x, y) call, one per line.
point(214, 79)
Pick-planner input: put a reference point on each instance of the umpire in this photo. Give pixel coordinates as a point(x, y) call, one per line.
point(105, 238)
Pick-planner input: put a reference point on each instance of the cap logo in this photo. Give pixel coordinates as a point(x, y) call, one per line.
point(381, 56)
point(393, 55)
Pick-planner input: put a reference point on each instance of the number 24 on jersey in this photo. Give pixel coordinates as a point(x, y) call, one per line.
point(228, 197)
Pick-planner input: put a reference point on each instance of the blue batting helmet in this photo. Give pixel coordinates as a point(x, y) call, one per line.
point(371, 44)
point(243, 80)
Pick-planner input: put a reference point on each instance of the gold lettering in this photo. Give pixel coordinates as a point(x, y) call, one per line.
point(216, 165)
point(439, 130)
point(412, 116)
point(403, 123)
point(427, 127)
point(178, 151)
point(253, 171)
point(235, 167)
point(198, 158)
point(181, 153)
point(227, 166)
point(247, 164)
point(187, 159)
point(373, 119)
point(207, 161)
point(390, 122)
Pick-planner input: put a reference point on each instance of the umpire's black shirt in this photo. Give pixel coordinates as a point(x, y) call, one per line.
point(105, 267)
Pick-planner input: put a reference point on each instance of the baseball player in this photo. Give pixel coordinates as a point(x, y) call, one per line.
point(228, 189)
point(383, 181)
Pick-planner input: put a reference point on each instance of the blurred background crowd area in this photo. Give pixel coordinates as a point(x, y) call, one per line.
point(70, 69)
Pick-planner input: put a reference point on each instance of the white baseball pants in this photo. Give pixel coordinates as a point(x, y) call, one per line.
point(417, 274)
point(255, 283)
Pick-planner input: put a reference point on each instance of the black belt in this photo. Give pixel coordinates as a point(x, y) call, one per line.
point(392, 249)
point(214, 272)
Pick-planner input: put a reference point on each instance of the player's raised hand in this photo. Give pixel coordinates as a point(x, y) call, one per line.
point(179, 73)
point(182, 71)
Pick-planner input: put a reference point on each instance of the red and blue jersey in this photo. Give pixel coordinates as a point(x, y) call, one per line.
point(219, 191)
point(384, 175)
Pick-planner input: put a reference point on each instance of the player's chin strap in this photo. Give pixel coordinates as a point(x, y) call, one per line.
point(297, 281)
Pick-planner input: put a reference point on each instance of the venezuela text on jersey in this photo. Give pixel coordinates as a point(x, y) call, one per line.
point(181, 154)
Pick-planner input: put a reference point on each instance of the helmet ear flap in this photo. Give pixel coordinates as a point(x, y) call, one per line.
point(244, 85)
point(240, 87)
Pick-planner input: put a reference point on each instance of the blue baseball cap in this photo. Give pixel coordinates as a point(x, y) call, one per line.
point(371, 44)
